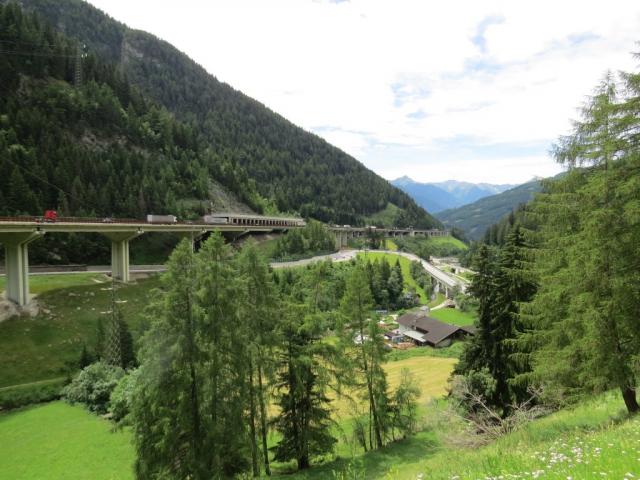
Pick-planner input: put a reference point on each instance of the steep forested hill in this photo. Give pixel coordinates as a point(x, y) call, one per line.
point(296, 170)
point(100, 147)
point(476, 217)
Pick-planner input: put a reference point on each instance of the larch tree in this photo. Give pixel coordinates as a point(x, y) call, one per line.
point(189, 403)
point(585, 318)
point(259, 314)
point(360, 341)
point(168, 427)
point(225, 353)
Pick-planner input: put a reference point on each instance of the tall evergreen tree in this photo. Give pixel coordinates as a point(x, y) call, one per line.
point(258, 310)
point(304, 420)
point(513, 286)
point(168, 426)
point(360, 336)
point(224, 362)
point(501, 285)
point(584, 318)
point(478, 352)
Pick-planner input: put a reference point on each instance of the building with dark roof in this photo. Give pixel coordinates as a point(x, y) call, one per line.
point(424, 330)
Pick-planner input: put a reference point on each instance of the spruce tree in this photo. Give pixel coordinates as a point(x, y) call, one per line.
point(304, 420)
point(478, 352)
point(513, 286)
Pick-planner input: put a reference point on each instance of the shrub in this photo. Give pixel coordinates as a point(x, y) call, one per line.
point(93, 386)
point(23, 395)
point(122, 396)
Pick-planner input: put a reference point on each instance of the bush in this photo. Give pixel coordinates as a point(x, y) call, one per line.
point(23, 395)
point(122, 396)
point(93, 386)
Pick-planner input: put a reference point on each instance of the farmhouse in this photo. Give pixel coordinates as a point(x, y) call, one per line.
point(424, 330)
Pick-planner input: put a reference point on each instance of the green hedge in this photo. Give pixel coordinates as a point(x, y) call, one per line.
point(22, 395)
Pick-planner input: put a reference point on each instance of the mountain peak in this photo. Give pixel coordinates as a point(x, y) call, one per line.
point(404, 180)
point(438, 196)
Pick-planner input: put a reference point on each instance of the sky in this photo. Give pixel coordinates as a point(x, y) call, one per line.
point(471, 90)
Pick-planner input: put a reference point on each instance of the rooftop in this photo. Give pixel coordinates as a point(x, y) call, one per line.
point(429, 329)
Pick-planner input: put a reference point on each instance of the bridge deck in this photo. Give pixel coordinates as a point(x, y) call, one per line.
point(14, 225)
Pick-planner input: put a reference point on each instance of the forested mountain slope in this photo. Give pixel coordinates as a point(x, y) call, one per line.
point(296, 170)
point(476, 217)
point(99, 148)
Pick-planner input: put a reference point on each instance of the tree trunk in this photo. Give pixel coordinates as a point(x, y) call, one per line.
point(252, 422)
point(630, 400)
point(303, 462)
point(263, 422)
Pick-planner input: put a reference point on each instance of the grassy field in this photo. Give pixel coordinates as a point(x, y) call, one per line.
point(454, 316)
point(593, 440)
point(45, 283)
point(430, 374)
point(384, 218)
point(46, 346)
point(405, 265)
point(449, 241)
point(390, 245)
point(453, 351)
point(61, 441)
point(72, 443)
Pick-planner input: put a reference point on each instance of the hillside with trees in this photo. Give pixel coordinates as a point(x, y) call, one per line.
point(295, 170)
point(99, 148)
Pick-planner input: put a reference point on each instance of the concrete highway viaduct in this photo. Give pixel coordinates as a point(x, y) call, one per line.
point(17, 233)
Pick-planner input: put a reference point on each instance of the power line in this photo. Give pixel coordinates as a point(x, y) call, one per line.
point(35, 54)
point(37, 44)
point(26, 170)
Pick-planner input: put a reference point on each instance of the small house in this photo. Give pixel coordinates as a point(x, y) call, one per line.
point(424, 330)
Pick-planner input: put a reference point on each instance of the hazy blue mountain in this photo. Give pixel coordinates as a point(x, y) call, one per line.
point(439, 196)
point(476, 217)
point(466, 192)
point(431, 198)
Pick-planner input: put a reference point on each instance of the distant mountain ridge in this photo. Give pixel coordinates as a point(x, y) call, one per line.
point(476, 217)
point(438, 196)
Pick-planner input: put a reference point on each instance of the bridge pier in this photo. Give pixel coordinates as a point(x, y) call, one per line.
point(120, 254)
point(16, 255)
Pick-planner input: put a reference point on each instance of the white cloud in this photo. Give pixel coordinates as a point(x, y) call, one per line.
point(400, 78)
